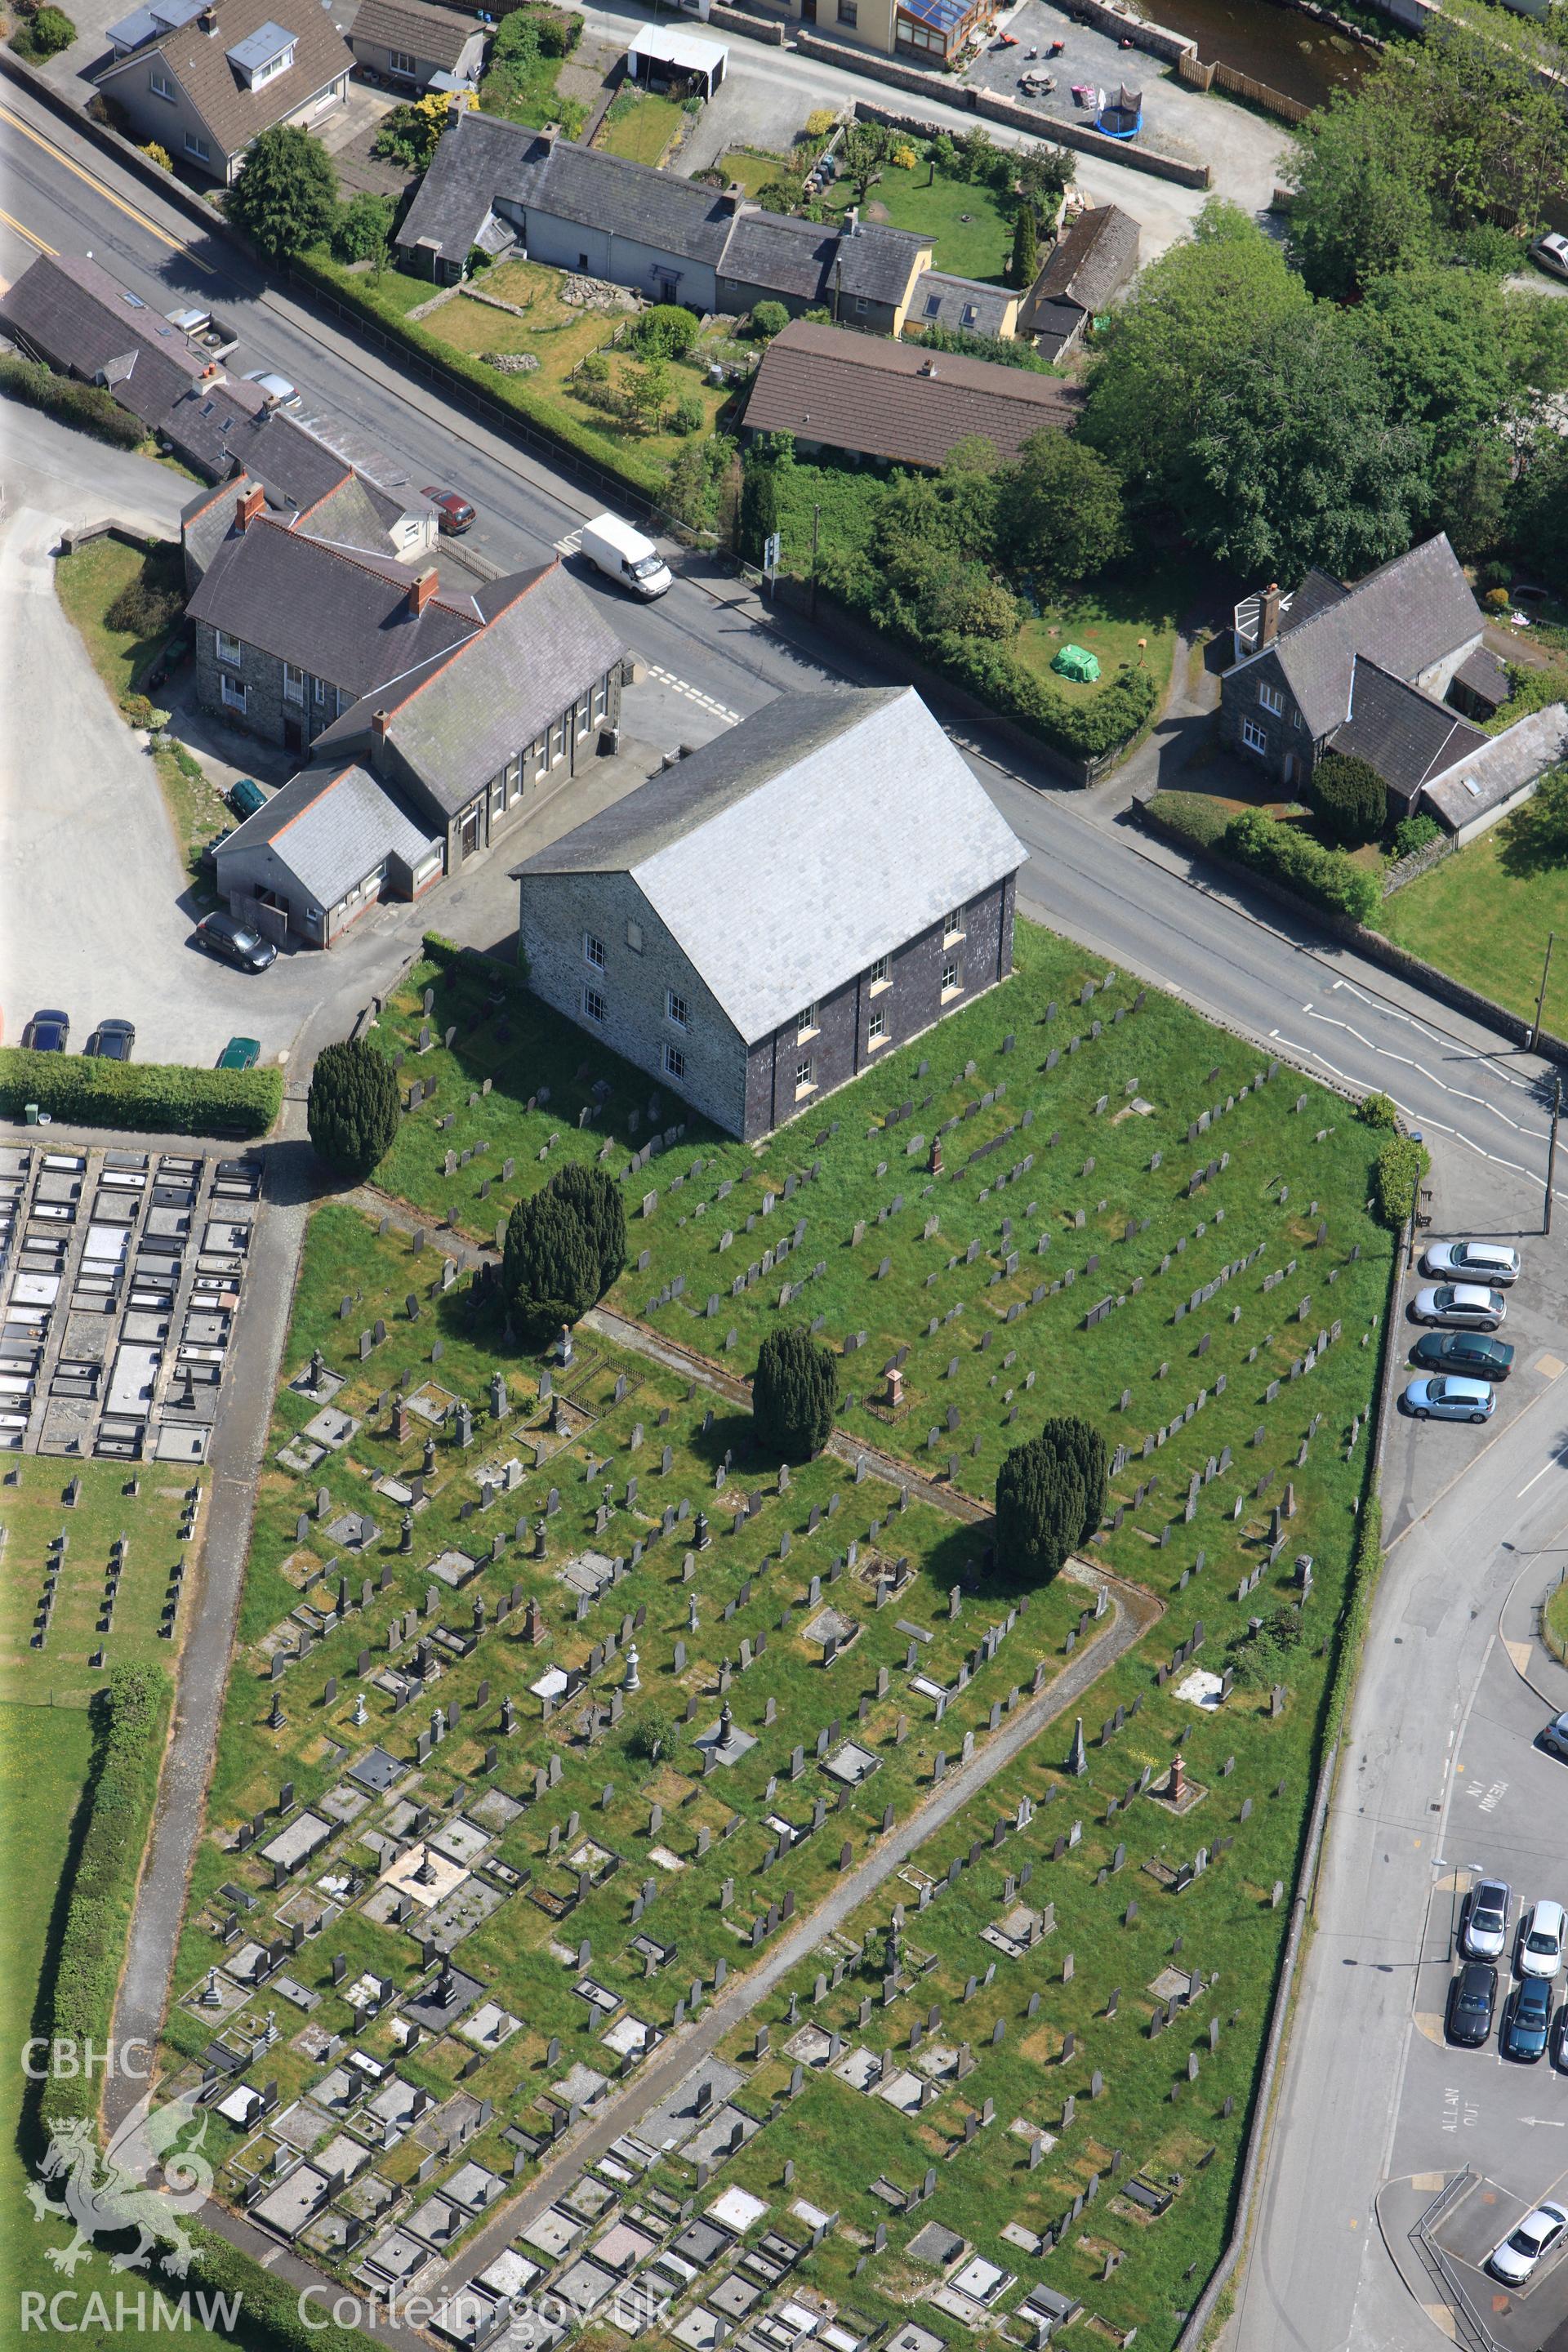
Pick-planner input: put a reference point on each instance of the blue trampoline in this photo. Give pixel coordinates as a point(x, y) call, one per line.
point(1121, 117)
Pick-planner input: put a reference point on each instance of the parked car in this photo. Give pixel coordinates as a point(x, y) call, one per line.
point(1554, 1739)
point(1551, 252)
point(1540, 1934)
point(1491, 1262)
point(624, 554)
point(1527, 2023)
point(48, 1032)
point(1472, 1997)
point(1469, 1303)
point(245, 797)
point(114, 1041)
point(240, 1054)
point(1519, 2251)
point(277, 388)
point(1483, 1358)
point(1483, 1923)
point(229, 940)
point(454, 515)
point(1443, 1398)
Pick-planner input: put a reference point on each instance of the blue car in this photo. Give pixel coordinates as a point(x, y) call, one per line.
point(1527, 2023)
point(1441, 1397)
point(48, 1032)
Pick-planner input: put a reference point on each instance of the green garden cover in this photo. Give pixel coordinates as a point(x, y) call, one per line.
point(1073, 661)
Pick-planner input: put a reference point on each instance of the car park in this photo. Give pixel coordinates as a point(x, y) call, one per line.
point(454, 514)
point(48, 1032)
point(1475, 1353)
point(1540, 1934)
point(1527, 2023)
point(1472, 1304)
point(1516, 2258)
point(240, 1054)
point(1483, 1922)
point(112, 1041)
point(229, 940)
point(1444, 1398)
point(1490, 1262)
point(1472, 1997)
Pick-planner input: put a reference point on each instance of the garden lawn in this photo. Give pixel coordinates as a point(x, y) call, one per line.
point(528, 95)
point(1489, 928)
point(752, 169)
point(972, 235)
point(638, 126)
point(60, 1673)
point(1108, 618)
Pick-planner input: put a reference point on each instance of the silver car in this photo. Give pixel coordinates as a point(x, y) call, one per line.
point(1469, 1305)
point(1483, 1929)
point(1522, 2248)
point(1551, 252)
point(1491, 1262)
point(1442, 1398)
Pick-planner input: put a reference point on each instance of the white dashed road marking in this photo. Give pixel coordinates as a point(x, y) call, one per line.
point(703, 701)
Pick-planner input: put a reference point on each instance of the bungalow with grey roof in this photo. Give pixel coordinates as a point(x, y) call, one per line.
point(416, 46)
point(770, 915)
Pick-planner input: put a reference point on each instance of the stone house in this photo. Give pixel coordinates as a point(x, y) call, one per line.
point(417, 48)
point(204, 88)
point(331, 844)
point(766, 916)
point(1373, 671)
point(896, 402)
point(1094, 259)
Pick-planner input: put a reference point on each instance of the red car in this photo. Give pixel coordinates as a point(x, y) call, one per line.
point(453, 514)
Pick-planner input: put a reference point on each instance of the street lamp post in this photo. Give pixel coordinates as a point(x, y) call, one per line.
point(1541, 1000)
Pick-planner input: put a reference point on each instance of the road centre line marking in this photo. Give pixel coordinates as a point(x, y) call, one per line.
point(23, 230)
point(100, 188)
point(1535, 1481)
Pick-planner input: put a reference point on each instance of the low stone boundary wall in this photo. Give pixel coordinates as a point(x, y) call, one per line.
point(741, 20)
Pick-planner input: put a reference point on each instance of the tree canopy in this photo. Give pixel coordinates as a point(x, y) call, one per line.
point(1050, 1494)
point(354, 1107)
point(1349, 798)
point(1061, 511)
point(285, 194)
point(794, 1393)
point(565, 1246)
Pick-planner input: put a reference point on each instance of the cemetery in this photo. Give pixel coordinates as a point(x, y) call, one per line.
point(557, 1701)
point(92, 1573)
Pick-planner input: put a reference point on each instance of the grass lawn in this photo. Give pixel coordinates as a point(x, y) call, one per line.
point(1087, 1259)
point(396, 289)
point(848, 497)
point(35, 1512)
point(639, 125)
point(1488, 926)
point(1554, 1620)
point(88, 583)
point(971, 233)
point(1121, 620)
point(751, 169)
point(561, 337)
point(529, 94)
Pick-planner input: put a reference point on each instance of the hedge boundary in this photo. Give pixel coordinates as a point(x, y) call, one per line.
point(88, 407)
point(153, 1098)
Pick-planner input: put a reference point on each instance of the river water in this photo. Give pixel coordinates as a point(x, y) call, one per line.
point(1290, 52)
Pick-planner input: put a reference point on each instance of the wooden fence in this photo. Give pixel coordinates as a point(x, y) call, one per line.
point(1204, 76)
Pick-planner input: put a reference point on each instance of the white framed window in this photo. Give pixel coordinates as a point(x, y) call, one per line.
point(804, 1077)
point(601, 700)
point(198, 148)
point(674, 1062)
point(593, 951)
point(558, 742)
point(881, 973)
point(849, 12)
point(1253, 736)
point(498, 794)
point(580, 716)
point(877, 1033)
point(402, 63)
point(951, 977)
point(933, 306)
point(860, 303)
point(513, 779)
point(293, 683)
point(539, 756)
point(806, 1024)
point(233, 694)
point(1270, 696)
point(229, 649)
point(594, 1005)
point(675, 1009)
point(633, 935)
point(160, 85)
point(953, 924)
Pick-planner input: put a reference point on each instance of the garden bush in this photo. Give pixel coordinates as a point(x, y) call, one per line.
point(354, 1107)
point(1350, 799)
point(794, 1392)
point(155, 1097)
point(51, 31)
point(147, 605)
point(1202, 819)
point(565, 1246)
point(1377, 1110)
point(86, 406)
point(1326, 877)
point(1401, 1164)
point(666, 331)
point(1416, 833)
point(1050, 1494)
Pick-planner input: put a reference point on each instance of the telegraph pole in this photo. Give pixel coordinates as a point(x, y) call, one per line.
point(1551, 1148)
point(815, 527)
point(1541, 1000)
point(1415, 1198)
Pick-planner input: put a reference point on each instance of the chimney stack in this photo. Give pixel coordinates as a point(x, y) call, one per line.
point(208, 21)
point(248, 505)
point(1269, 613)
point(420, 593)
point(378, 726)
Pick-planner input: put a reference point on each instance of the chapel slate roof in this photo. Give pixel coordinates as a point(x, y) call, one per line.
point(436, 36)
point(1405, 735)
point(337, 612)
point(331, 823)
point(853, 821)
point(893, 400)
point(459, 720)
point(199, 62)
point(70, 310)
point(1483, 778)
point(1403, 617)
point(1318, 590)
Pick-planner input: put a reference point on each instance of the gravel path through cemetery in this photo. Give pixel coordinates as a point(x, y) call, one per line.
point(1132, 1611)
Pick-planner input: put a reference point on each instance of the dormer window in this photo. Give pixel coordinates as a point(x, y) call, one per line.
point(263, 55)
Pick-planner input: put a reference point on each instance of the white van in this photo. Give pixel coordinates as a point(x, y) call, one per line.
point(624, 554)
